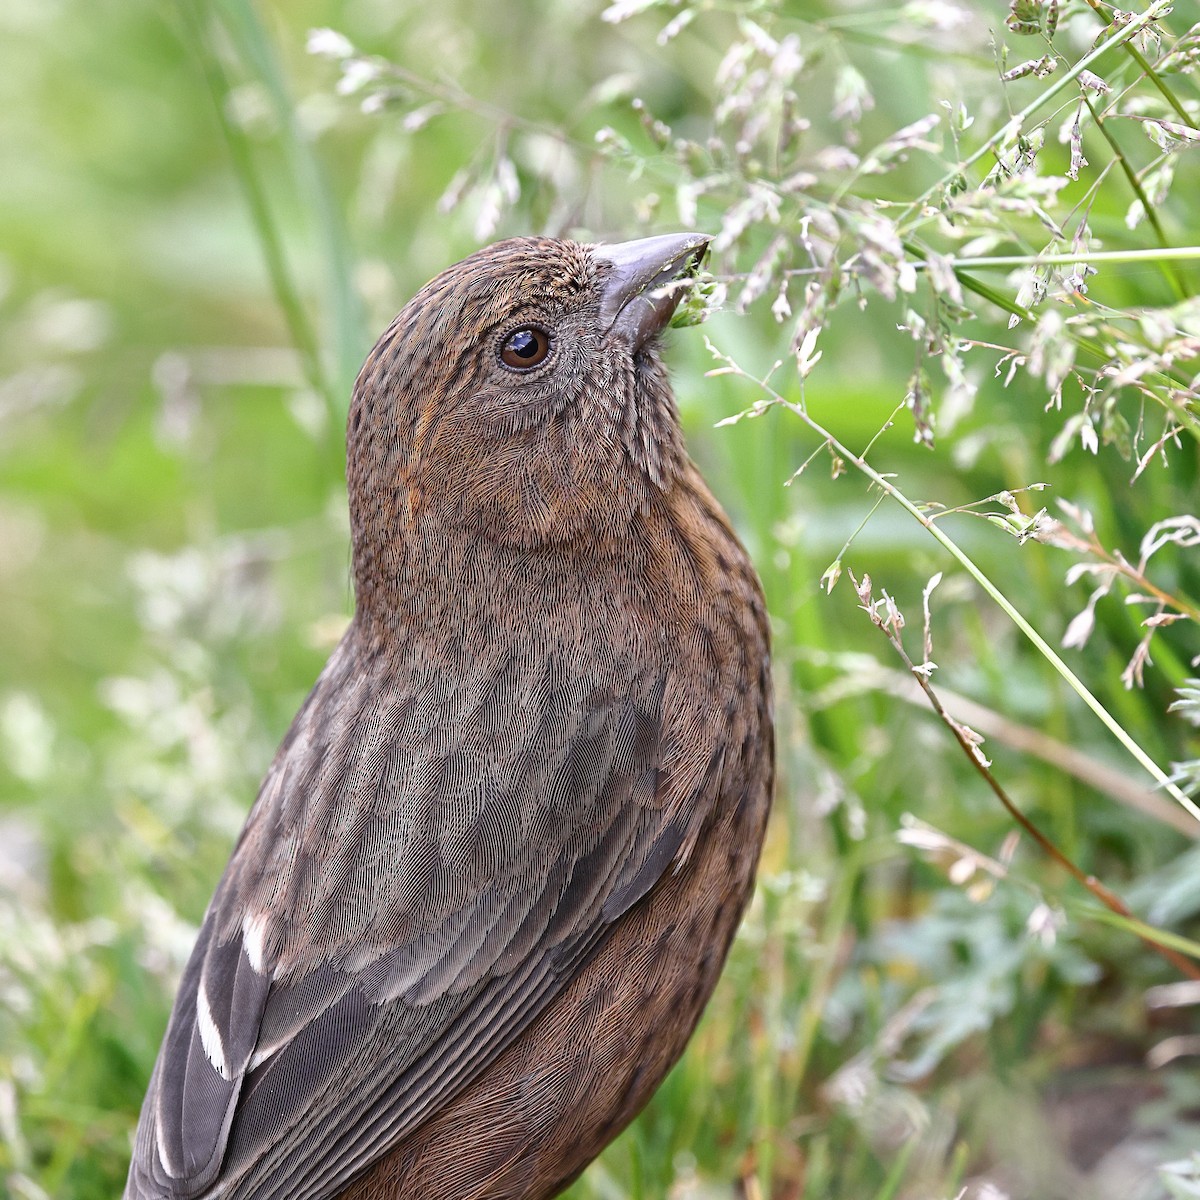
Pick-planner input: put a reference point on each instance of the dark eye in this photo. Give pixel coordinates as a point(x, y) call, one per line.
point(525, 348)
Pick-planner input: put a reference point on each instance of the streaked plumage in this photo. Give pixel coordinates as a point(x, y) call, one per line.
point(492, 874)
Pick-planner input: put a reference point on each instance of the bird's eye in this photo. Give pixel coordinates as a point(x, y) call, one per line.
point(525, 348)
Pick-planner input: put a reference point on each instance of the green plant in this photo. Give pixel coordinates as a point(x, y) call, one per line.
point(955, 263)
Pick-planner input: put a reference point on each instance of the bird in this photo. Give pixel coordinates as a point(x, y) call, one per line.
point(493, 872)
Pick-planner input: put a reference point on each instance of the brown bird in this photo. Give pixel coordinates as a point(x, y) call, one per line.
point(493, 872)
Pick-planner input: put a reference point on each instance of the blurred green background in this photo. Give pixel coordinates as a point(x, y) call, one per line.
point(203, 226)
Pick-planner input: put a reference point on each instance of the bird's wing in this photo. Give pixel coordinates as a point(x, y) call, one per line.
point(460, 859)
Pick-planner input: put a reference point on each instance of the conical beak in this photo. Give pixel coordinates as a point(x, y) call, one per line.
point(637, 301)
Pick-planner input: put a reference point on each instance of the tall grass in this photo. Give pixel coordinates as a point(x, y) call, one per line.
point(954, 350)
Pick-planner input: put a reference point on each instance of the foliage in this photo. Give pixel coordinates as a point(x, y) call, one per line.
point(954, 261)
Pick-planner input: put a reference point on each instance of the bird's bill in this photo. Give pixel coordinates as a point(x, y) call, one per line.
point(638, 300)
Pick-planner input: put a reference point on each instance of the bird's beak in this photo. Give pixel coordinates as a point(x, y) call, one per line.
point(638, 300)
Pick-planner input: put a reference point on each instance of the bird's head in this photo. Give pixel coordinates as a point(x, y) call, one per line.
point(520, 395)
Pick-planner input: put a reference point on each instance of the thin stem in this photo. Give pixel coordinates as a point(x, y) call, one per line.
point(347, 319)
point(1162, 254)
point(1044, 648)
point(1178, 410)
point(1135, 185)
point(1016, 124)
point(286, 292)
point(1104, 894)
point(1154, 77)
point(1147, 69)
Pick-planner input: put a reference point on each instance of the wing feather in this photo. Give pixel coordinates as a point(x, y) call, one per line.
point(415, 883)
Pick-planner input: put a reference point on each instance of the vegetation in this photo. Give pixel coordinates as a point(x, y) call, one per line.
point(949, 388)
